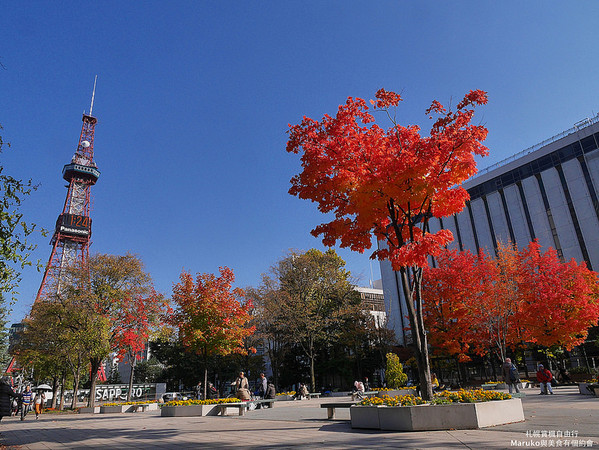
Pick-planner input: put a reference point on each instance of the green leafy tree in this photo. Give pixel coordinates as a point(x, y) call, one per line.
point(307, 299)
point(15, 250)
point(394, 374)
point(105, 287)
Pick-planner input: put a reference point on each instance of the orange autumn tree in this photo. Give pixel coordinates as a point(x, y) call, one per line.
point(518, 297)
point(497, 307)
point(449, 288)
point(389, 182)
point(560, 300)
point(211, 316)
point(474, 302)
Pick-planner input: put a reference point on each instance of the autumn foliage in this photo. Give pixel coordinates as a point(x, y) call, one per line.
point(389, 182)
point(210, 316)
point(477, 303)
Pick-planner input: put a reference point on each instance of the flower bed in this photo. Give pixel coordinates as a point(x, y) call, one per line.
point(189, 408)
point(285, 396)
point(147, 402)
point(122, 407)
point(448, 410)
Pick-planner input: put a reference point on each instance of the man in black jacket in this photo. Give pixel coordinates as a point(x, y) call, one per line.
point(6, 393)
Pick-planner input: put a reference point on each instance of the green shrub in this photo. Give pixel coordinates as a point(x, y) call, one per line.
point(394, 374)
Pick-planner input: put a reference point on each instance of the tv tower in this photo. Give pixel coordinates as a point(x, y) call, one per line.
point(72, 234)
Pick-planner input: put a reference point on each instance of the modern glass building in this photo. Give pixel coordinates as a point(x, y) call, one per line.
point(547, 192)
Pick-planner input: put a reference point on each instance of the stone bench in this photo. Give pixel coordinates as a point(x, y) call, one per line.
point(222, 407)
point(141, 408)
point(266, 402)
point(332, 406)
point(243, 406)
point(366, 394)
point(313, 395)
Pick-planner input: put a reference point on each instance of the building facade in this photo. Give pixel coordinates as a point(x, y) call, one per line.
point(548, 192)
point(373, 302)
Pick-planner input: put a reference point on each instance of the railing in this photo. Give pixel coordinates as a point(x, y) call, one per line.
point(577, 126)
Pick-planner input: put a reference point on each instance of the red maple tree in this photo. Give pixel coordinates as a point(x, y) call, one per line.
point(211, 316)
point(447, 315)
point(560, 300)
point(138, 316)
point(482, 303)
point(389, 182)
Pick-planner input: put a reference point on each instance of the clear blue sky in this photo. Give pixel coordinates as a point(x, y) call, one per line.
point(194, 98)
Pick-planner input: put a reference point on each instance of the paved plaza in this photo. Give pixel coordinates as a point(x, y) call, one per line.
point(566, 419)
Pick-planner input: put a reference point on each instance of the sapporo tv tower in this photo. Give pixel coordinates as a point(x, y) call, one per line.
point(72, 235)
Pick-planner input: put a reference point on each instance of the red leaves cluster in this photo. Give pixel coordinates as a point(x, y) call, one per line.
point(387, 182)
point(210, 315)
point(138, 315)
point(475, 302)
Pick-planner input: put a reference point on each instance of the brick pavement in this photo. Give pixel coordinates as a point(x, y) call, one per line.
point(295, 425)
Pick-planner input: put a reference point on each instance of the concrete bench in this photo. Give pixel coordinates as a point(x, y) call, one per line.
point(141, 408)
point(332, 406)
point(222, 407)
point(366, 394)
point(267, 402)
point(313, 395)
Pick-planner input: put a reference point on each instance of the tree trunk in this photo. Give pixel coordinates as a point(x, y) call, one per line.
point(75, 389)
point(205, 381)
point(312, 377)
point(95, 365)
point(63, 385)
point(132, 361)
point(412, 294)
point(54, 390)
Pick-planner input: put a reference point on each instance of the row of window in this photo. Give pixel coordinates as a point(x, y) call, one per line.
point(535, 167)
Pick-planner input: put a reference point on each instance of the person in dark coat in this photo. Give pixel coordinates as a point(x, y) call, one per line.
point(270, 391)
point(6, 393)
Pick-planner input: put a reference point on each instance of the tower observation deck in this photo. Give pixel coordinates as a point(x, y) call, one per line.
point(72, 233)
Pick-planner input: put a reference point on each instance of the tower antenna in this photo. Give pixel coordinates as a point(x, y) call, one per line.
point(93, 94)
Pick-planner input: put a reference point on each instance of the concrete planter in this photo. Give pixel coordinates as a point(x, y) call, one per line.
point(365, 417)
point(123, 408)
point(585, 389)
point(396, 392)
point(183, 411)
point(189, 411)
point(115, 409)
point(438, 417)
point(86, 410)
point(280, 398)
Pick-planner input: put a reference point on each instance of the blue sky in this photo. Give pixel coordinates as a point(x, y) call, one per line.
point(194, 98)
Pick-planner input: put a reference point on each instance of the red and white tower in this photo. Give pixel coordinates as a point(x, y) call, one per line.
point(72, 235)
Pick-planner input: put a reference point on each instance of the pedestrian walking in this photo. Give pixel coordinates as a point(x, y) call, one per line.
point(39, 402)
point(262, 385)
point(26, 403)
point(511, 376)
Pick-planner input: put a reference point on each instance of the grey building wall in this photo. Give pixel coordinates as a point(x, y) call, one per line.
point(548, 192)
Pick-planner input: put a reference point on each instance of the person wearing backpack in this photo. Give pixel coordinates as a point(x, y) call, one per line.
point(510, 375)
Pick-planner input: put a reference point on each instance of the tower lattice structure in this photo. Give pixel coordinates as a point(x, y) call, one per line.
point(72, 234)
